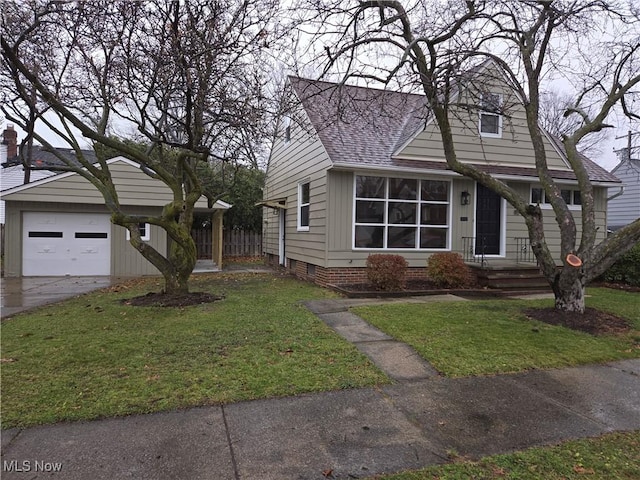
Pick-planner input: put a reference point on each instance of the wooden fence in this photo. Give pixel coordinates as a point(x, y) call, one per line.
point(241, 243)
point(235, 243)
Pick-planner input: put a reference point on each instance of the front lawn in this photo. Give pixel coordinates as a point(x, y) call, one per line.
point(483, 337)
point(94, 357)
point(612, 456)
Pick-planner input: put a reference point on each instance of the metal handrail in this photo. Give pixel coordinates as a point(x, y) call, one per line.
point(524, 252)
point(470, 250)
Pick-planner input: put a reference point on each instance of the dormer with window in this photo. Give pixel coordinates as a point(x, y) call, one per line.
point(490, 123)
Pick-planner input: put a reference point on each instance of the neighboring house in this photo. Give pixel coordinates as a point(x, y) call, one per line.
point(59, 225)
point(14, 176)
point(12, 169)
point(624, 206)
point(356, 171)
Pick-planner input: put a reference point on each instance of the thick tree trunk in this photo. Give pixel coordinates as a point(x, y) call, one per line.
point(182, 257)
point(569, 291)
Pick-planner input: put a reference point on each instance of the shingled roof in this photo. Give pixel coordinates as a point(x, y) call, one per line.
point(40, 158)
point(364, 127)
point(356, 124)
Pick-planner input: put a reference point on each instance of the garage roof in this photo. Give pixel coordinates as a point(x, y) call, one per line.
point(134, 187)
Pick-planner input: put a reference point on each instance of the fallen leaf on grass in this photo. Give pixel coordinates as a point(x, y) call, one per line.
point(7, 360)
point(583, 471)
point(498, 471)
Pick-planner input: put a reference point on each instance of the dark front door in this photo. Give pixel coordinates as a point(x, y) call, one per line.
point(488, 214)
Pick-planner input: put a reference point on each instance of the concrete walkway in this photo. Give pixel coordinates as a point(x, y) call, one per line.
point(345, 434)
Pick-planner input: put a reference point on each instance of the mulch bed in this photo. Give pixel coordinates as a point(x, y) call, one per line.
point(592, 321)
point(154, 299)
point(411, 287)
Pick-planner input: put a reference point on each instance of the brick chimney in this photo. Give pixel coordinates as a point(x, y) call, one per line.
point(10, 139)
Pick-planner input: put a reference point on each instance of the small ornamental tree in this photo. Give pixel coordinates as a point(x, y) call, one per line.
point(448, 270)
point(387, 272)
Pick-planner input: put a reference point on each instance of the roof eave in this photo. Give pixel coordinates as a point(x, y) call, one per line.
point(353, 167)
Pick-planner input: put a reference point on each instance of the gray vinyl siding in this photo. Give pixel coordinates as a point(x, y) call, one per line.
point(125, 260)
point(301, 160)
point(625, 209)
point(513, 148)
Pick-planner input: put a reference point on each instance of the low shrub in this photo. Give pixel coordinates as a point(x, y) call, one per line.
point(448, 270)
point(626, 269)
point(387, 272)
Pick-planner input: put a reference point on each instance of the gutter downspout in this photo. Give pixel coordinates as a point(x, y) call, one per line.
point(617, 194)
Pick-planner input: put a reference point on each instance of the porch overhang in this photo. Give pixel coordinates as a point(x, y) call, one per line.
point(277, 203)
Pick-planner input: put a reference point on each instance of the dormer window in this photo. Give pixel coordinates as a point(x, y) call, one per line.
point(490, 117)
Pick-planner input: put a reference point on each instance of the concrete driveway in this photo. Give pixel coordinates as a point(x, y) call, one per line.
point(23, 293)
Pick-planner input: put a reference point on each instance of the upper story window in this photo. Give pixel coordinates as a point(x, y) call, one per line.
point(401, 213)
point(304, 191)
point(490, 117)
point(571, 197)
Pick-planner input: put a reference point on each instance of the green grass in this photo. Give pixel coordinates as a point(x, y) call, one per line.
point(613, 456)
point(94, 357)
point(493, 336)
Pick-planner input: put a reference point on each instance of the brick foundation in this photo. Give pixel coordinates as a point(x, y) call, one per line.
point(337, 275)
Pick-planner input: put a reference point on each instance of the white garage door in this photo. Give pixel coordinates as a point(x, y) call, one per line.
point(66, 244)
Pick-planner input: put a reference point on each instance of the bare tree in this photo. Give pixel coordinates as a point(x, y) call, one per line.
point(187, 76)
point(553, 107)
point(436, 47)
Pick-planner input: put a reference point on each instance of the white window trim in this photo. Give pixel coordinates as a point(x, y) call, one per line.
point(300, 227)
point(147, 235)
point(483, 112)
point(547, 206)
point(386, 223)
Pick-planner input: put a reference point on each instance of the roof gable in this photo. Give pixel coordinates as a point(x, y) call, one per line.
point(134, 187)
point(364, 127)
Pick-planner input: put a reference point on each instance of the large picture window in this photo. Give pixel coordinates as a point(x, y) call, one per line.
point(401, 213)
point(303, 206)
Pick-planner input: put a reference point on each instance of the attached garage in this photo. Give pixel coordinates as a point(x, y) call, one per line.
point(76, 244)
point(60, 226)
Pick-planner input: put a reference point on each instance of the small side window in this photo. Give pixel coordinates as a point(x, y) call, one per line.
point(145, 232)
point(304, 192)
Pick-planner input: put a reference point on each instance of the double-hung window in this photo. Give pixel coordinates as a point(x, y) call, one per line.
point(401, 213)
point(571, 197)
point(490, 117)
point(304, 190)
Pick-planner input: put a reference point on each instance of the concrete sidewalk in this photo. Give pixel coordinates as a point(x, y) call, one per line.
point(353, 433)
point(345, 434)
